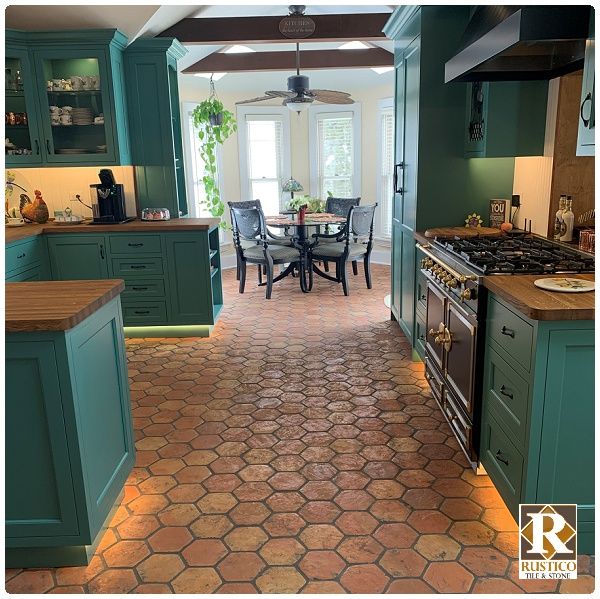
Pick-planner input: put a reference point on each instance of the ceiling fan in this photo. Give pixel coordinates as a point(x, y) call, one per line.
point(299, 95)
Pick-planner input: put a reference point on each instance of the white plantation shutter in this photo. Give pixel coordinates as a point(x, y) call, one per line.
point(386, 173)
point(335, 154)
point(264, 134)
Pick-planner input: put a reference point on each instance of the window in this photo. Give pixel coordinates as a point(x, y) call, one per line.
point(264, 154)
point(194, 165)
point(385, 182)
point(334, 142)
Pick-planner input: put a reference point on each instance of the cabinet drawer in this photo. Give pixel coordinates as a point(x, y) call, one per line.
point(434, 380)
point(23, 255)
point(141, 313)
point(135, 244)
point(507, 396)
point(141, 288)
point(511, 333)
point(420, 332)
point(459, 423)
point(503, 463)
point(127, 267)
point(31, 274)
point(421, 291)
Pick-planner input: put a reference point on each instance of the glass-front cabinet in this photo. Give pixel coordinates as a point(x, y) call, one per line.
point(21, 139)
point(72, 84)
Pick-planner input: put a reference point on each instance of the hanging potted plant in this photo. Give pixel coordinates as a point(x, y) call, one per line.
point(214, 124)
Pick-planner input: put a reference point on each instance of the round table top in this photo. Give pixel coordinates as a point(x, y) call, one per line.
point(310, 220)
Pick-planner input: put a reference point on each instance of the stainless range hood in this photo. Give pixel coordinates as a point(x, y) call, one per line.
point(512, 43)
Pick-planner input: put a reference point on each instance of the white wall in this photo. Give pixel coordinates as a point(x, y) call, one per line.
point(60, 184)
point(196, 89)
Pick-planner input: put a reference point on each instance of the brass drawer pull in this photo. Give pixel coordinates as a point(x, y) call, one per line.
point(505, 392)
point(508, 332)
point(500, 457)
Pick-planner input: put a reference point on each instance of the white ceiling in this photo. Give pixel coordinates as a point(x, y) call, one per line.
point(149, 20)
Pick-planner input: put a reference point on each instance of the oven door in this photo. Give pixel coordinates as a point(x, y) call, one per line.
point(460, 357)
point(435, 321)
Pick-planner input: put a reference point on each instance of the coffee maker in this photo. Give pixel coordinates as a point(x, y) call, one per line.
point(108, 200)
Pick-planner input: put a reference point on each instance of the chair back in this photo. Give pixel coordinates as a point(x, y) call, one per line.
point(340, 206)
point(248, 224)
point(360, 221)
point(247, 204)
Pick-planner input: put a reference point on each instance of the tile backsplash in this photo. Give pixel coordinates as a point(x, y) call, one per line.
point(60, 185)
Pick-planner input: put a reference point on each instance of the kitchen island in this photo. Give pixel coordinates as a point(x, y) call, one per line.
point(69, 436)
point(537, 439)
point(171, 269)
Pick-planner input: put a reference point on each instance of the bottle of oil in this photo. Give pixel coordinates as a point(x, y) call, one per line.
point(558, 220)
point(568, 220)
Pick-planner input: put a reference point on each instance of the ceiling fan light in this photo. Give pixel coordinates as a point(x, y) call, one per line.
point(215, 76)
point(298, 105)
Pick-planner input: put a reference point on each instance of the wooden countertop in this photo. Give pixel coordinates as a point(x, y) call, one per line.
point(55, 305)
point(136, 226)
point(539, 304)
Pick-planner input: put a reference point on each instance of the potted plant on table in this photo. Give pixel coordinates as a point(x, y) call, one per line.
point(214, 124)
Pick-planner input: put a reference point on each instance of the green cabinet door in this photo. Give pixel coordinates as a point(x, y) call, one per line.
point(189, 278)
point(75, 257)
point(39, 490)
point(567, 475)
point(22, 132)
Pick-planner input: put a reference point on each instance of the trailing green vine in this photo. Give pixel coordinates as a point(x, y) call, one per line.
point(214, 125)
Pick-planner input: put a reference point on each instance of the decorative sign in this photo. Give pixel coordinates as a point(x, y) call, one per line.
point(296, 26)
point(499, 212)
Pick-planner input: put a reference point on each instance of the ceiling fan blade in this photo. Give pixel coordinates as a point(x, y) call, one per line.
point(269, 95)
point(328, 96)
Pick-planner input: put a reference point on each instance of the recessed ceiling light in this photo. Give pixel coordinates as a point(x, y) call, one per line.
point(381, 70)
point(355, 45)
point(237, 49)
point(215, 76)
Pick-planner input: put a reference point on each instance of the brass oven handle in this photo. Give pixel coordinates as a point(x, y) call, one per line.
point(461, 278)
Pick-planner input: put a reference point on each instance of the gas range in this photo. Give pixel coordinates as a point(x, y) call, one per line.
point(455, 321)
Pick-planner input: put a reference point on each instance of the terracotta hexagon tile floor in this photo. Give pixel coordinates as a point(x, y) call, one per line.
point(296, 450)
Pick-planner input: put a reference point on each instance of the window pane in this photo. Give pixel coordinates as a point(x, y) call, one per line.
point(336, 146)
point(338, 188)
point(268, 193)
point(386, 190)
point(264, 149)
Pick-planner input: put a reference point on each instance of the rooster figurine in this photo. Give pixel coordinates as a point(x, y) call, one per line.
point(36, 211)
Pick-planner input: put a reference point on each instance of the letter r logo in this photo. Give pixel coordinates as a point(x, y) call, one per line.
point(539, 521)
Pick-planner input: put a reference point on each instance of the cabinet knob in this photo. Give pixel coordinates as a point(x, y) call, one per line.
point(465, 294)
point(508, 332)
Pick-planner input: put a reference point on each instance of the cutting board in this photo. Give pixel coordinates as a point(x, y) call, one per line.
point(462, 232)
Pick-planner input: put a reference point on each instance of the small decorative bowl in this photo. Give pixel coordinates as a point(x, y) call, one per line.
point(156, 214)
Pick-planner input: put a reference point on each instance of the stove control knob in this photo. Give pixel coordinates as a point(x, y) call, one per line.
point(452, 283)
point(466, 294)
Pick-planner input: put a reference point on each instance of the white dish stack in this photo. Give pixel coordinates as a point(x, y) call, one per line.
point(82, 116)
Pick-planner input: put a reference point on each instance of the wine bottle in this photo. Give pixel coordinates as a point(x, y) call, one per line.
point(568, 220)
point(558, 219)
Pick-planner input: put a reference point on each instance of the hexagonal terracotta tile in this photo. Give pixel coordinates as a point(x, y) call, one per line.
point(364, 579)
point(321, 565)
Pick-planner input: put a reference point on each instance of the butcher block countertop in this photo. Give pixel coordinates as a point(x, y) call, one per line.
point(539, 304)
point(55, 305)
point(135, 226)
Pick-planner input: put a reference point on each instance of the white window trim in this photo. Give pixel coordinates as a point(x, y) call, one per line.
point(313, 154)
point(286, 161)
point(385, 104)
point(186, 109)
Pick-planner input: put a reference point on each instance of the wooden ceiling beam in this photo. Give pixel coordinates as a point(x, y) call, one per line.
point(260, 30)
point(286, 61)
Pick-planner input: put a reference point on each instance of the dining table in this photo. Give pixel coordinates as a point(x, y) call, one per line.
point(303, 239)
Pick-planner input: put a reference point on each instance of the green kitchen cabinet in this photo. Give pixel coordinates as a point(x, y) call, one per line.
point(27, 260)
point(75, 257)
point(537, 439)
point(434, 184)
point(93, 60)
point(587, 112)
point(172, 279)
point(505, 118)
point(22, 125)
point(155, 123)
point(70, 442)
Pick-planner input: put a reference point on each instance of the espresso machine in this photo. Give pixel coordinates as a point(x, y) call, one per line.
point(108, 200)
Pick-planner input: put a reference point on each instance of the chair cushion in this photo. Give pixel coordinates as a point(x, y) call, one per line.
point(335, 250)
point(278, 252)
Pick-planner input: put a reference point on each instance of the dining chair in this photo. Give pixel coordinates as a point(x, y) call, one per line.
point(354, 241)
point(285, 240)
point(340, 207)
point(252, 245)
